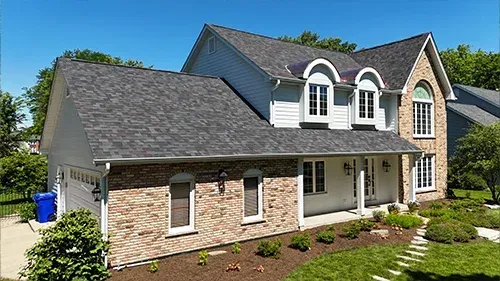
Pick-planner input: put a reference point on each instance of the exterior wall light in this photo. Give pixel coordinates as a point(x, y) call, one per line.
point(222, 181)
point(96, 193)
point(386, 165)
point(347, 168)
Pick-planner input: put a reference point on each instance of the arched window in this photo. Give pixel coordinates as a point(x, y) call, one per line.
point(181, 203)
point(423, 111)
point(252, 195)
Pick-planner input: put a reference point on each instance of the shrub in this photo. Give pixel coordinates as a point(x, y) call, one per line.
point(472, 181)
point(301, 242)
point(432, 213)
point(438, 220)
point(23, 172)
point(27, 211)
point(365, 225)
point(393, 208)
point(413, 206)
point(72, 248)
point(436, 206)
point(379, 215)
point(450, 194)
point(268, 248)
point(352, 231)
point(326, 236)
point(153, 266)
point(236, 248)
point(449, 231)
point(467, 204)
point(404, 221)
point(203, 255)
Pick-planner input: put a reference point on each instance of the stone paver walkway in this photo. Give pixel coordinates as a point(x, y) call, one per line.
point(490, 234)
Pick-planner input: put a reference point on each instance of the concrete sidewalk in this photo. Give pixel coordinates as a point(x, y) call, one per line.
point(15, 239)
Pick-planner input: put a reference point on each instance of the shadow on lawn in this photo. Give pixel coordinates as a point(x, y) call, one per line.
point(426, 276)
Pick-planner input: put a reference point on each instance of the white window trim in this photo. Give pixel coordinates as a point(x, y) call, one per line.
point(252, 173)
point(211, 38)
point(314, 177)
point(433, 170)
point(182, 178)
point(414, 115)
point(355, 106)
point(318, 102)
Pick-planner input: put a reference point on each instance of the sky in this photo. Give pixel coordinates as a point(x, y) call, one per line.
point(161, 33)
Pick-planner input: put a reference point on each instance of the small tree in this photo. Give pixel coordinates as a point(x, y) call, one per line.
point(23, 172)
point(10, 118)
point(478, 152)
point(72, 249)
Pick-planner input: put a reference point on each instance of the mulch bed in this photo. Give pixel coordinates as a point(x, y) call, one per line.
point(185, 267)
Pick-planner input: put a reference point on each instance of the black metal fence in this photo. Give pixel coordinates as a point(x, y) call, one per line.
point(11, 201)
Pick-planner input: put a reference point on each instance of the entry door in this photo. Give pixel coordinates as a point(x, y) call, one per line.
point(369, 168)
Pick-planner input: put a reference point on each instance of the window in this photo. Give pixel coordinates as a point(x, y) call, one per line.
point(423, 111)
point(366, 105)
point(314, 177)
point(252, 195)
point(424, 174)
point(318, 99)
point(181, 203)
point(211, 45)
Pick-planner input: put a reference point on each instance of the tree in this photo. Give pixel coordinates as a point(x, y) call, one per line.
point(309, 38)
point(23, 172)
point(478, 153)
point(479, 69)
point(37, 97)
point(10, 118)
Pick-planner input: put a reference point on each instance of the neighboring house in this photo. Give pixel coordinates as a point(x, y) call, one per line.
point(255, 137)
point(473, 106)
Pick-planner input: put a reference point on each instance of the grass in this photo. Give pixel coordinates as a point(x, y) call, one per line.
point(484, 194)
point(10, 203)
point(478, 261)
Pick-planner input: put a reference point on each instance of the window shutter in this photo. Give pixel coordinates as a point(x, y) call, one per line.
point(251, 189)
point(179, 209)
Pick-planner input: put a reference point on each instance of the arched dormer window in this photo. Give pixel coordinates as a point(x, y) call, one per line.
point(366, 98)
point(181, 203)
point(423, 110)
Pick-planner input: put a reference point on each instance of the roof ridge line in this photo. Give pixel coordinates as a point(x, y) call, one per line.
point(390, 43)
point(140, 68)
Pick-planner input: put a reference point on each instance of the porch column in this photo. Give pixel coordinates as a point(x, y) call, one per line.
point(413, 158)
point(360, 185)
point(300, 191)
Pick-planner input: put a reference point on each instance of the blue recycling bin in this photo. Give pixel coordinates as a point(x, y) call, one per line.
point(45, 205)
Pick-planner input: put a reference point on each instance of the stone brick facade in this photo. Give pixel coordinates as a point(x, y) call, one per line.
point(138, 207)
point(424, 71)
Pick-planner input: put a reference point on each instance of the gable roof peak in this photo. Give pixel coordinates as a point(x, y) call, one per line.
point(426, 34)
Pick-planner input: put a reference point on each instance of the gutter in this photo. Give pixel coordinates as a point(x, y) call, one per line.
point(392, 92)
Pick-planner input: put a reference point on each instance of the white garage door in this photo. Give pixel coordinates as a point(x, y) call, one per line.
point(80, 185)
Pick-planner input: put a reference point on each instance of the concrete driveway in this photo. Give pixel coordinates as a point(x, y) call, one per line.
point(15, 239)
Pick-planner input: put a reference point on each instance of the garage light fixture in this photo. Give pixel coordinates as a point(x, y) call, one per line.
point(347, 168)
point(222, 181)
point(386, 165)
point(96, 193)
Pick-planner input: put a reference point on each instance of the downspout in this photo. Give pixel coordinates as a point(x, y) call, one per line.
point(271, 106)
point(104, 206)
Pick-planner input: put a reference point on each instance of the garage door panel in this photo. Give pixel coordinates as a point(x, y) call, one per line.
point(81, 184)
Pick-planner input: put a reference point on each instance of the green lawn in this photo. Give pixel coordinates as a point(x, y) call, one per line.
point(10, 202)
point(476, 261)
point(460, 193)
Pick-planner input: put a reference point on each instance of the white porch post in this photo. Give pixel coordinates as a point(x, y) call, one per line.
point(360, 185)
point(412, 190)
point(300, 192)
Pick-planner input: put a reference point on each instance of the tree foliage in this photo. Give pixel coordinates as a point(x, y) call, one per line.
point(37, 96)
point(23, 172)
point(480, 69)
point(72, 249)
point(312, 39)
point(10, 118)
point(478, 153)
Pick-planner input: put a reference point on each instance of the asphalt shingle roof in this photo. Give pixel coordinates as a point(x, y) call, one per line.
point(131, 112)
point(489, 95)
point(473, 112)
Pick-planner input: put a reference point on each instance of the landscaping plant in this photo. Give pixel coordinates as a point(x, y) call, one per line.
point(72, 248)
point(269, 249)
point(449, 231)
point(23, 173)
point(436, 206)
point(326, 236)
point(352, 231)
point(404, 221)
point(413, 206)
point(393, 208)
point(27, 212)
point(203, 256)
point(379, 215)
point(301, 242)
point(153, 266)
point(236, 248)
point(365, 225)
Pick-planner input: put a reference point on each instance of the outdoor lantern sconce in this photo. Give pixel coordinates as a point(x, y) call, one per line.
point(386, 165)
point(347, 168)
point(222, 181)
point(96, 193)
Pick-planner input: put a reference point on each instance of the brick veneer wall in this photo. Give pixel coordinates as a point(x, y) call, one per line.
point(426, 72)
point(138, 207)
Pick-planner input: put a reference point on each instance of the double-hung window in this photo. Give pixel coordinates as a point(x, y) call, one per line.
point(318, 100)
point(423, 111)
point(366, 104)
point(314, 177)
point(181, 203)
point(424, 174)
point(252, 195)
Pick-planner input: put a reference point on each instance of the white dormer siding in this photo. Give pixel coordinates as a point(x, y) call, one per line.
point(340, 110)
point(287, 106)
point(388, 113)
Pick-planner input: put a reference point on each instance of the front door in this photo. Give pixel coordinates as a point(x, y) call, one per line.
point(369, 168)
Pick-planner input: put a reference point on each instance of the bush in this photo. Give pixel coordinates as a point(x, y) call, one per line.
point(413, 206)
point(467, 204)
point(153, 266)
point(450, 194)
point(27, 211)
point(72, 248)
point(326, 236)
point(269, 249)
point(404, 221)
point(23, 172)
point(203, 256)
point(236, 248)
point(472, 181)
point(393, 208)
point(365, 225)
point(432, 213)
point(449, 231)
point(379, 215)
point(301, 242)
point(352, 231)
point(436, 206)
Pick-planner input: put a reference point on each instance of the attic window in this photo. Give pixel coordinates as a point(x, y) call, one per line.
point(211, 45)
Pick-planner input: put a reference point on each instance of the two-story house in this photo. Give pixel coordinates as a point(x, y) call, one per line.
point(255, 137)
point(472, 106)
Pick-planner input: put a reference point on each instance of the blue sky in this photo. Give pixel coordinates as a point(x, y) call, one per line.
point(161, 33)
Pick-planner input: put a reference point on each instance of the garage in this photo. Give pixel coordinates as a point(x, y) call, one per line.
point(81, 182)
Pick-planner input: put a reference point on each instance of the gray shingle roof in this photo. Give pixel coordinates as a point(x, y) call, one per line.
point(394, 61)
point(131, 112)
point(489, 95)
point(473, 112)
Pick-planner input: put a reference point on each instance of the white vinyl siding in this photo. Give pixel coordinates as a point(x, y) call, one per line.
point(286, 106)
point(425, 174)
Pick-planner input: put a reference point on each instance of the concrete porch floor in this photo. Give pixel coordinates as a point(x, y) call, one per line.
point(344, 216)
